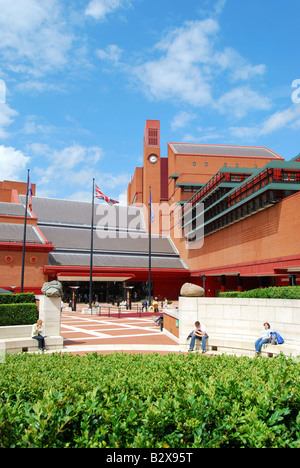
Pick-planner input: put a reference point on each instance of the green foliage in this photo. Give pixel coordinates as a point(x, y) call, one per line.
point(18, 314)
point(150, 401)
point(285, 292)
point(26, 298)
point(17, 309)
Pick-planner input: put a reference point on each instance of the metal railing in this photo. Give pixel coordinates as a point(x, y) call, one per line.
point(122, 311)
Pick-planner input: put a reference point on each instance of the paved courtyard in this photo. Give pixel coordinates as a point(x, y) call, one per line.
point(85, 334)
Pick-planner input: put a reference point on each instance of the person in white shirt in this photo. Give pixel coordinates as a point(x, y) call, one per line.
point(199, 333)
point(37, 334)
point(264, 339)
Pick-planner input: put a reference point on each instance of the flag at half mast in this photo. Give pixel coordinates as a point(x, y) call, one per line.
point(29, 193)
point(100, 195)
point(152, 216)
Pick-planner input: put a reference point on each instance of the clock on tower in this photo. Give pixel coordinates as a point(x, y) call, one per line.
point(152, 163)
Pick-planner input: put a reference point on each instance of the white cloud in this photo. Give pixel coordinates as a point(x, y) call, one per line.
point(182, 71)
point(75, 155)
point(112, 53)
point(73, 168)
point(181, 120)
point(241, 100)
point(238, 67)
point(6, 118)
point(34, 34)
point(13, 163)
point(71, 163)
point(189, 66)
point(219, 6)
point(99, 9)
point(288, 118)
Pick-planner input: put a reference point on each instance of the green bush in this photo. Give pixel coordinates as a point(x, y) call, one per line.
point(18, 314)
point(26, 298)
point(151, 401)
point(285, 292)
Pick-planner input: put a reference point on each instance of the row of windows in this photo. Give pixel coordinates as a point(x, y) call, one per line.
point(252, 206)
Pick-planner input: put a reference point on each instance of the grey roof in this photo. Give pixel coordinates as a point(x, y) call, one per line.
point(114, 261)
point(120, 238)
point(50, 210)
point(15, 233)
point(80, 239)
point(12, 209)
point(222, 150)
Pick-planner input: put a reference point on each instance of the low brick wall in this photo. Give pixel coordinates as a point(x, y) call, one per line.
point(171, 324)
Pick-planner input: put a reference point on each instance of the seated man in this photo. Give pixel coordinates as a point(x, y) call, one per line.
point(199, 333)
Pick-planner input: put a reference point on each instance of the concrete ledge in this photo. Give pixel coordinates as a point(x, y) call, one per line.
point(27, 344)
point(242, 347)
point(16, 339)
point(234, 325)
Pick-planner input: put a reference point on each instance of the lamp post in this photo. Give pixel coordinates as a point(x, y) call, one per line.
point(204, 283)
point(74, 302)
point(128, 296)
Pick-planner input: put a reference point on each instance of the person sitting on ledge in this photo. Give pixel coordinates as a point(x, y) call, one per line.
point(199, 333)
point(37, 334)
point(264, 339)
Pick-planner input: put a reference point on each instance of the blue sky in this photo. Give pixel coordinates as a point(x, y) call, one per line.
point(78, 80)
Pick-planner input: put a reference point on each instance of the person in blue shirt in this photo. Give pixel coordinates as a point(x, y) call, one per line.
point(264, 339)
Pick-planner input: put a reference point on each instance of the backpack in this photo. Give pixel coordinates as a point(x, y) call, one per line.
point(276, 339)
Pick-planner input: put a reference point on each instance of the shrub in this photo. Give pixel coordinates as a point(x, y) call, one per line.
point(151, 401)
point(26, 298)
point(18, 314)
point(285, 292)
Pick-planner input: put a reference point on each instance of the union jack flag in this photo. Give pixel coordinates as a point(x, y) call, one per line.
point(101, 196)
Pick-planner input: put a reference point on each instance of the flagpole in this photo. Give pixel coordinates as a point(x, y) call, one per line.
point(92, 246)
point(150, 247)
point(24, 236)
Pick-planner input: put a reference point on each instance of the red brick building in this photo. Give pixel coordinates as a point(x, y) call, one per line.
point(226, 216)
point(249, 218)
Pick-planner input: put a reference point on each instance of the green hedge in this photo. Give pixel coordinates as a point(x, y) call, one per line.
point(152, 401)
point(18, 314)
point(286, 292)
point(26, 298)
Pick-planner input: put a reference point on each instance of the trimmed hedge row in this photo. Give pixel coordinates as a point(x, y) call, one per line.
point(18, 314)
point(285, 292)
point(26, 298)
point(152, 401)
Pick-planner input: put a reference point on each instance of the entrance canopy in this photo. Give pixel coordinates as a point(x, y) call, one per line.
point(96, 279)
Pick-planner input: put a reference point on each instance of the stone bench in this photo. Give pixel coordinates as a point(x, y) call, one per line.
point(29, 345)
point(242, 347)
point(18, 339)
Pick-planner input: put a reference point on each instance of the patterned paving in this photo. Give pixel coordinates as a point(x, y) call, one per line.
point(85, 333)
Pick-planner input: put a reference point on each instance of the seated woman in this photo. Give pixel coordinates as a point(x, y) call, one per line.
point(37, 334)
point(264, 339)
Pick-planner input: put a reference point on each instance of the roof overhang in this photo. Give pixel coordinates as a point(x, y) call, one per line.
point(96, 279)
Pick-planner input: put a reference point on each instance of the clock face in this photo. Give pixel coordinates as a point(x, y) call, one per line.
point(153, 159)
